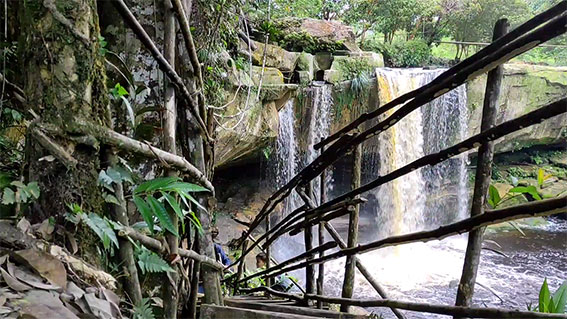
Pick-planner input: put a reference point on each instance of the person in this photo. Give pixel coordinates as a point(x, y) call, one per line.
point(220, 255)
point(282, 282)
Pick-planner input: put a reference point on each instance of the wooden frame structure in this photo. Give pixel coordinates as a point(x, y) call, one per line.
point(505, 46)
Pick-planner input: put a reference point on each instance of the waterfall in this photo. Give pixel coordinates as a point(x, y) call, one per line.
point(430, 196)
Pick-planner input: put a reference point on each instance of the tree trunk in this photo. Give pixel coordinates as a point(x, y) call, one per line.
point(170, 291)
point(64, 80)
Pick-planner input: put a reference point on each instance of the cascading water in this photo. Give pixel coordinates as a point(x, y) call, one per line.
point(289, 158)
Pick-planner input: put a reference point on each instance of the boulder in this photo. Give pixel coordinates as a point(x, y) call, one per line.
point(524, 89)
point(271, 76)
point(343, 66)
point(306, 63)
point(326, 34)
point(276, 57)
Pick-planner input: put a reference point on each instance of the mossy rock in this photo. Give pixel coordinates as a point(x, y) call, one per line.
point(524, 89)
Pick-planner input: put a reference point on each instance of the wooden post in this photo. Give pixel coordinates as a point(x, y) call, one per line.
point(348, 282)
point(268, 257)
point(170, 292)
point(195, 274)
point(482, 178)
point(240, 266)
point(308, 236)
point(321, 234)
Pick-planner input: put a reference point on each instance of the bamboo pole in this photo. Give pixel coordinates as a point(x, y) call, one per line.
point(166, 67)
point(308, 237)
point(170, 292)
point(348, 282)
point(438, 309)
point(538, 208)
point(268, 255)
point(195, 274)
point(465, 290)
point(240, 268)
point(371, 280)
point(157, 246)
point(321, 238)
point(521, 30)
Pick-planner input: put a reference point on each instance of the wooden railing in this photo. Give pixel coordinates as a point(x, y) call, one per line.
point(505, 46)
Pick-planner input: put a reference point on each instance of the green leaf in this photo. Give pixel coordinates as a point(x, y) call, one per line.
point(155, 184)
point(184, 194)
point(493, 196)
point(544, 297)
point(161, 213)
point(173, 204)
point(105, 180)
point(114, 175)
point(33, 189)
point(103, 229)
point(18, 184)
point(109, 198)
point(145, 211)
point(532, 190)
point(196, 222)
point(560, 298)
point(151, 262)
point(187, 187)
point(9, 197)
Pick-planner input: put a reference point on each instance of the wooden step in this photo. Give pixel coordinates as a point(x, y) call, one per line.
point(219, 312)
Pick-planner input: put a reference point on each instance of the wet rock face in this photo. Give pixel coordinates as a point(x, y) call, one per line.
point(524, 89)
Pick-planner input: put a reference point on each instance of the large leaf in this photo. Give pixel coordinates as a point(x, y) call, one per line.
point(559, 298)
point(186, 195)
point(532, 190)
point(159, 211)
point(103, 229)
point(145, 211)
point(151, 262)
point(544, 297)
point(493, 196)
point(9, 196)
point(33, 189)
point(155, 184)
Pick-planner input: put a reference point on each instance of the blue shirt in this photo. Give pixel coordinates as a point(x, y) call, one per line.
point(219, 252)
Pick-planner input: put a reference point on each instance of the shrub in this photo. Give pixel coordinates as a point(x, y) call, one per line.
point(410, 53)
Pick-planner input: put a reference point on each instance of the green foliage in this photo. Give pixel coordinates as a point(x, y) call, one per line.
point(410, 53)
point(101, 226)
point(549, 303)
point(16, 192)
point(303, 41)
point(148, 261)
point(153, 197)
point(143, 310)
point(493, 196)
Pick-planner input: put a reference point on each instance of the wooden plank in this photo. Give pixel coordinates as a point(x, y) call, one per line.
point(291, 309)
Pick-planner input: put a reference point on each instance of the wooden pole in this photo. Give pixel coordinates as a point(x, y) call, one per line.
point(308, 237)
point(373, 282)
point(171, 280)
point(267, 250)
point(348, 282)
point(195, 271)
point(321, 237)
point(465, 291)
point(240, 267)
